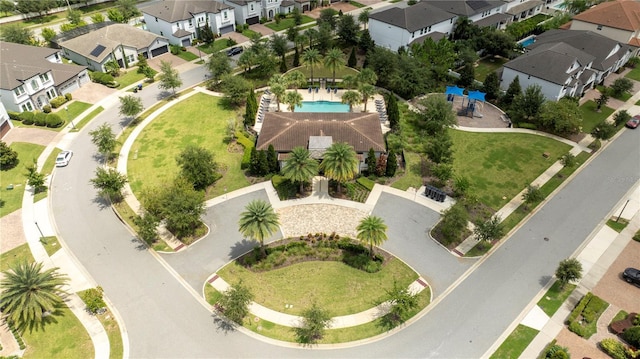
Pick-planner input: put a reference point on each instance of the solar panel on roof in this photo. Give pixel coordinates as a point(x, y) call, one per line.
point(97, 51)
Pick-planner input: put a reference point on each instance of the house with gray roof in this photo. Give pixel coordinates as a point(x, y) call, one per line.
point(30, 76)
point(246, 11)
point(484, 13)
point(119, 42)
point(396, 27)
point(180, 21)
point(317, 131)
point(566, 63)
point(522, 10)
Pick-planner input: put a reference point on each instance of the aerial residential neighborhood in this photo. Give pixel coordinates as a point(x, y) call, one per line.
point(276, 178)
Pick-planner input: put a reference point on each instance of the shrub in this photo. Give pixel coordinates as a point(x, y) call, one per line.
point(102, 78)
point(14, 116)
point(40, 119)
point(57, 101)
point(621, 117)
point(54, 120)
point(93, 299)
point(613, 348)
point(27, 117)
point(46, 108)
point(8, 157)
point(68, 96)
point(247, 144)
point(632, 336)
point(367, 183)
point(527, 125)
point(589, 308)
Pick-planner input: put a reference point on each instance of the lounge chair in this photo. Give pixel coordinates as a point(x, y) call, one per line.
point(317, 88)
point(309, 89)
point(328, 89)
point(335, 90)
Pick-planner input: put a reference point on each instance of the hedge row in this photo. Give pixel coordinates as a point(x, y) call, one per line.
point(590, 308)
point(366, 183)
point(248, 145)
point(104, 79)
point(51, 120)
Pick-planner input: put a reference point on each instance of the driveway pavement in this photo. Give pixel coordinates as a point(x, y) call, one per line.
point(92, 92)
point(30, 135)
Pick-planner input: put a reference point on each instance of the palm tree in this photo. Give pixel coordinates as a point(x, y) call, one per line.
point(293, 99)
point(351, 98)
point(278, 85)
point(340, 162)
point(28, 292)
point(363, 17)
point(311, 34)
point(295, 78)
point(349, 81)
point(334, 59)
point(366, 91)
point(311, 58)
point(300, 167)
point(258, 221)
point(372, 231)
point(367, 76)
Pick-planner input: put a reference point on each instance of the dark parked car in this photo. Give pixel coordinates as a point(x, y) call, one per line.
point(234, 51)
point(631, 275)
point(634, 122)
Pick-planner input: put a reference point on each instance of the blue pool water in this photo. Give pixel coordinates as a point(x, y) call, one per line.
point(528, 42)
point(322, 106)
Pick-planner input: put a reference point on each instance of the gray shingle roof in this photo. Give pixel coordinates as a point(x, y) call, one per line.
point(465, 7)
point(590, 42)
point(110, 37)
point(172, 11)
point(286, 130)
point(21, 62)
point(537, 62)
point(516, 10)
point(414, 17)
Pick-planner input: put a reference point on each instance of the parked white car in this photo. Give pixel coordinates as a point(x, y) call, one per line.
point(64, 158)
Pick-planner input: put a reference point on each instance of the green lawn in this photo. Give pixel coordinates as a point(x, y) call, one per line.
point(199, 120)
point(634, 74)
point(51, 244)
point(80, 124)
point(619, 225)
point(216, 46)
point(65, 338)
point(110, 324)
point(11, 200)
point(516, 343)
point(623, 97)
point(187, 55)
point(130, 77)
point(335, 286)
point(591, 118)
point(19, 254)
point(554, 297)
point(412, 174)
point(75, 109)
point(488, 65)
point(500, 165)
point(287, 23)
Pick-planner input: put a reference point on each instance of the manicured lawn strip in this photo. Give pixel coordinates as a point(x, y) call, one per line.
point(412, 174)
point(584, 317)
point(216, 46)
point(64, 338)
point(27, 153)
point(357, 4)
point(516, 343)
point(187, 56)
point(591, 118)
point(87, 119)
point(110, 324)
point(500, 165)
point(127, 214)
point(619, 316)
point(129, 77)
point(199, 120)
point(554, 297)
point(341, 289)
point(619, 225)
point(50, 244)
point(75, 109)
point(17, 255)
point(47, 168)
point(624, 97)
point(287, 23)
point(488, 65)
point(634, 74)
point(250, 33)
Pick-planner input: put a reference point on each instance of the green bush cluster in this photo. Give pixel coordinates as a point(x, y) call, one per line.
point(366, 183)
point(27, 117)
point(613, 348)
point(46, 108)
point(93, 299)
point(357, 192)
point(51, 120)
point(247, 144)
point(632, 336)
point(318, 246)
point(14, 115)
point(102, 78)
point(285, 188)
point(16, 335)
point(583, 318)
point(527, 125)
point(58, 101)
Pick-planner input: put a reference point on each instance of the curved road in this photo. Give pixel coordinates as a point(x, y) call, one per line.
point(163, 320)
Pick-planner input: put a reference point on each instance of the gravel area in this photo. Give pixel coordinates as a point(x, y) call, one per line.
point(319, 218)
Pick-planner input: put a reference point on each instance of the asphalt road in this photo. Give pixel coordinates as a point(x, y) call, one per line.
point(163, 320)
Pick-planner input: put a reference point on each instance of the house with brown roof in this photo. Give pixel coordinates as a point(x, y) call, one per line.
point(94, 47)
point(30, 76)
point(618, 20)
point(317, 131)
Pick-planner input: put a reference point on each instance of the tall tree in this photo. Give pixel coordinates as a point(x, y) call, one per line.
point(235, 302)
point(295, 78)
point(372, 231)
point(8, 157)
point(353, 60)
point(109, 183)
point(366, 43)
point(328, 16)
point(251, 109)
point(561, 117)
point(258, 222)
point(104, 139)
point(393, 113)
point(334, 60)
point(314, 322)
point(513, 91)
point(467, 75)
point(351, 98)
point(293, 99)
point(17, 34)
point(363, 17)
point(392, 164)
point(130, 105)
point(366, 92)
point(371, 161)
point(491, 86)
point(311, 34)
point(7, 6)
point(272, 158)
point(128, 9)
point(169, 77)
point(528, 106)
point(218, 66)
point(28, 292)
point(235, 89)
point(35, 179)
point(300, 167)
point(278, 85)
point(437, 115)
point(348, 29)
point(311, 58)
point(198, 166)
point(75, 17)
point(602, 99)
point(569, 270)
point(278, 44)
point(489, 230)
point(340, 163)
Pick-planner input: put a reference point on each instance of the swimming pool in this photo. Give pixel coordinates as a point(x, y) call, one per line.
point(528, 41)
point(322, 106)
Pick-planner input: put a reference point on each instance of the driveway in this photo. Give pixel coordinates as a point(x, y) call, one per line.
point(175, 61)
point(92, 92)
point(30, 135)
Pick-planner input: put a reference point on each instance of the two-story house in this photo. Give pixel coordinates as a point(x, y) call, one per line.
point(5, 123)
point(180, 21)
point(120, 42)
point(618, 20)
point(523, 9)
point(246, 11)
point(401, 26)
point(398, 27)
point(30, 76)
